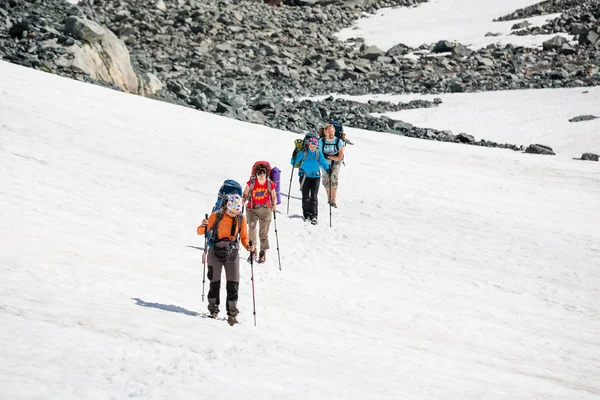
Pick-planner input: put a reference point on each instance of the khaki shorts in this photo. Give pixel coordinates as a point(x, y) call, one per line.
point(335, 172)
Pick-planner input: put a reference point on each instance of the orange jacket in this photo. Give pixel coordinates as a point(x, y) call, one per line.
point(225, 228)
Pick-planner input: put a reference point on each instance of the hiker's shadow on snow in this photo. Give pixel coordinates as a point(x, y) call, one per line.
point(295, 216)
point(196, 247)
point(167, 307)
point(293, 197)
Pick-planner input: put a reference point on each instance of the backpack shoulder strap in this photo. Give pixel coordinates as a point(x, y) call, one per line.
point(236, 226)
point(303, 158)
point(269, 190)
point(214, 231)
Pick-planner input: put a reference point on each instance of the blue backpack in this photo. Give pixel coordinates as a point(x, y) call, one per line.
point(229, 187)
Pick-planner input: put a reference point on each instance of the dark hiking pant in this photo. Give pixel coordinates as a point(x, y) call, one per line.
point(232, 273)
point(310, 203)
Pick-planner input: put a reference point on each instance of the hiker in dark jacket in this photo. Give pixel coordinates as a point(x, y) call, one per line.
point(311, 161)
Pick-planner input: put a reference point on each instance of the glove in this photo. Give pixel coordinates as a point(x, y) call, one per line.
point(295, 153)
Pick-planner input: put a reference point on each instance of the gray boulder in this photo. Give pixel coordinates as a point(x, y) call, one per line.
point(521, 25)
point(372, 53)
point(554, 44)
point(398, 50)
point(443, 46)
point(539, 149)
point(464, 138)
point(457, 87)
point(590, 157)
point(589, 38)
point(336, 65)
point(84, 29)
point(582, 118)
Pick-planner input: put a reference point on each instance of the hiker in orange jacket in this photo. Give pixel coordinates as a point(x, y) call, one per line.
point(226, 229)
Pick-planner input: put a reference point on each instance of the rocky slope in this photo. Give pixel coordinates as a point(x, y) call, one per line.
point(242, 58)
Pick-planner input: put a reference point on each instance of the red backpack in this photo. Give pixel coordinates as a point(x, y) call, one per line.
point(255, 168)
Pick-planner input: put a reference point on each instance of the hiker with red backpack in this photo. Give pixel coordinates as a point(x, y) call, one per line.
point(225, 228)
point(260, 197)
point(310, 161)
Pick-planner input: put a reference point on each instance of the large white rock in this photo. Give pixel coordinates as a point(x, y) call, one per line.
point(104, 57)
point(160, 4)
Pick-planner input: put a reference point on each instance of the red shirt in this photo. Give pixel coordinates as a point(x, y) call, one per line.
point(260, 195)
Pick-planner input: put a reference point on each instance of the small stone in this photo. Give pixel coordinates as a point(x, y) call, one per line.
point(582, 118)
point(590, 157)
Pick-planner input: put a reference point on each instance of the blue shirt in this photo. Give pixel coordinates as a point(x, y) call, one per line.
point(331, 148)
point(310, 163)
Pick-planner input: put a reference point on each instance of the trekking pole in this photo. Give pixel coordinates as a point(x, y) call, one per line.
point(290, 190)
point(330, 171)
point(204, 258)
point(252, 279)
point(277, 237)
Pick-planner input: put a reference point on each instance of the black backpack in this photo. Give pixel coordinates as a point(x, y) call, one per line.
point(339, 129)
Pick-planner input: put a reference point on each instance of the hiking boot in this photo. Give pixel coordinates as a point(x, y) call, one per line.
point(213, 315)
point(262, 256)
point(313, 221)
point(232, 320)
point(333, 205)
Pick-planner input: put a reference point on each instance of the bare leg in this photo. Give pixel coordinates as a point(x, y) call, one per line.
point(333, 194)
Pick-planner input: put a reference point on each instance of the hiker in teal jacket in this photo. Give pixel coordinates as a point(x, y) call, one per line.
point(311, 161)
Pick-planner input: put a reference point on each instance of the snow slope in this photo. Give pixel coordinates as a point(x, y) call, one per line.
point(464, 21)
point(451, 272)
point(521, 117)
